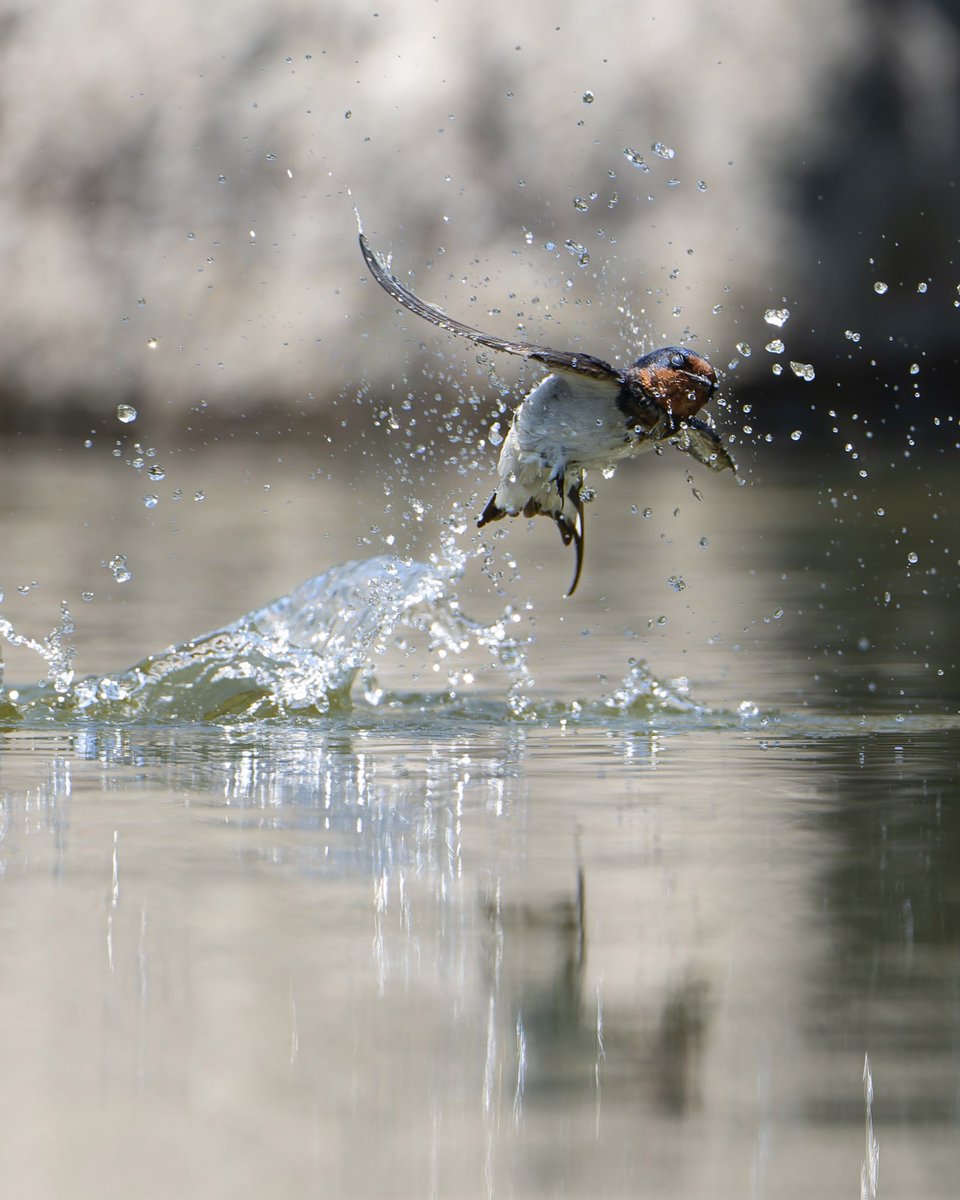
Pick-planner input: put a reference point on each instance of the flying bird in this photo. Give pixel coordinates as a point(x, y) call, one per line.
point(585, 415)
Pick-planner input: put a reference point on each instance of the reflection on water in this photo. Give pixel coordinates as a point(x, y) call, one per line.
point(517, 960)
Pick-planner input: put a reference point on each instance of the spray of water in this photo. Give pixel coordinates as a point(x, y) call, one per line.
point(308, 652)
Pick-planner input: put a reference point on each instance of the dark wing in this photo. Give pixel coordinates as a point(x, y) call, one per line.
point(698, 439)
point(559, 360)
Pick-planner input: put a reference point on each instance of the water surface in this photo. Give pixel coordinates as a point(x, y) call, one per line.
point(620, 914)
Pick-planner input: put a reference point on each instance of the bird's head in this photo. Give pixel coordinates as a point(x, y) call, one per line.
point(677, 380)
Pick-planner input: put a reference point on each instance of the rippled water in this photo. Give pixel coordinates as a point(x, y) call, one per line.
point(401, 885)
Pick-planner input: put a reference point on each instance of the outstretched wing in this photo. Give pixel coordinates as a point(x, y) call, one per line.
point(558, 360)
point(698, 439)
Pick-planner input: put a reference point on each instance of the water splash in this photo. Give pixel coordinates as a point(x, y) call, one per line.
point(640, 692)
point(300, 654)
point(56, 650)
point(306, 653)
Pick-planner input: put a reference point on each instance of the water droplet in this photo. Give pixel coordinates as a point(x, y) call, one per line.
point(608, 472)
point(199, 497)
point(703, 543)
point(744, 349)
point(803, 371)
point(141, 303)
point(126, 413)
point(347, 115)
point(777, 368)
point(774, 347)
point(152, 343)
point(579, 252)
point(87, 596)
point(635, 157)
point(777, 316)
point(588, 97)
point(880, 288)
point(747, 708)
point(701, 185)
point(494, 436)
point(914, 368)
point(151, 500)
point(851, 335)
point(913, 558)
point(922, 288)
point(647, 512)
point(677, 583)
point(662, 150)
point(118, 565)
point(157, 472)
point(796, 435)
point(191, 236)
point(580, 204)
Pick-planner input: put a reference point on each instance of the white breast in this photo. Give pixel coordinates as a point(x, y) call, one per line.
point(575, 420)
point(568, 423)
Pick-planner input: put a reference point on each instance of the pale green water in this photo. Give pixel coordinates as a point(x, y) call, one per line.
point(546, 933)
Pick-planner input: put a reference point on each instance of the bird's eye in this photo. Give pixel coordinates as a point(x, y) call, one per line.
point(677, 360)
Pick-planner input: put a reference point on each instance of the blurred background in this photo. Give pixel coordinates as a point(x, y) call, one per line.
point(178, 235)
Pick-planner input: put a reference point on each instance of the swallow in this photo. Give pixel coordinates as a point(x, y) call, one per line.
point(585, 415)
